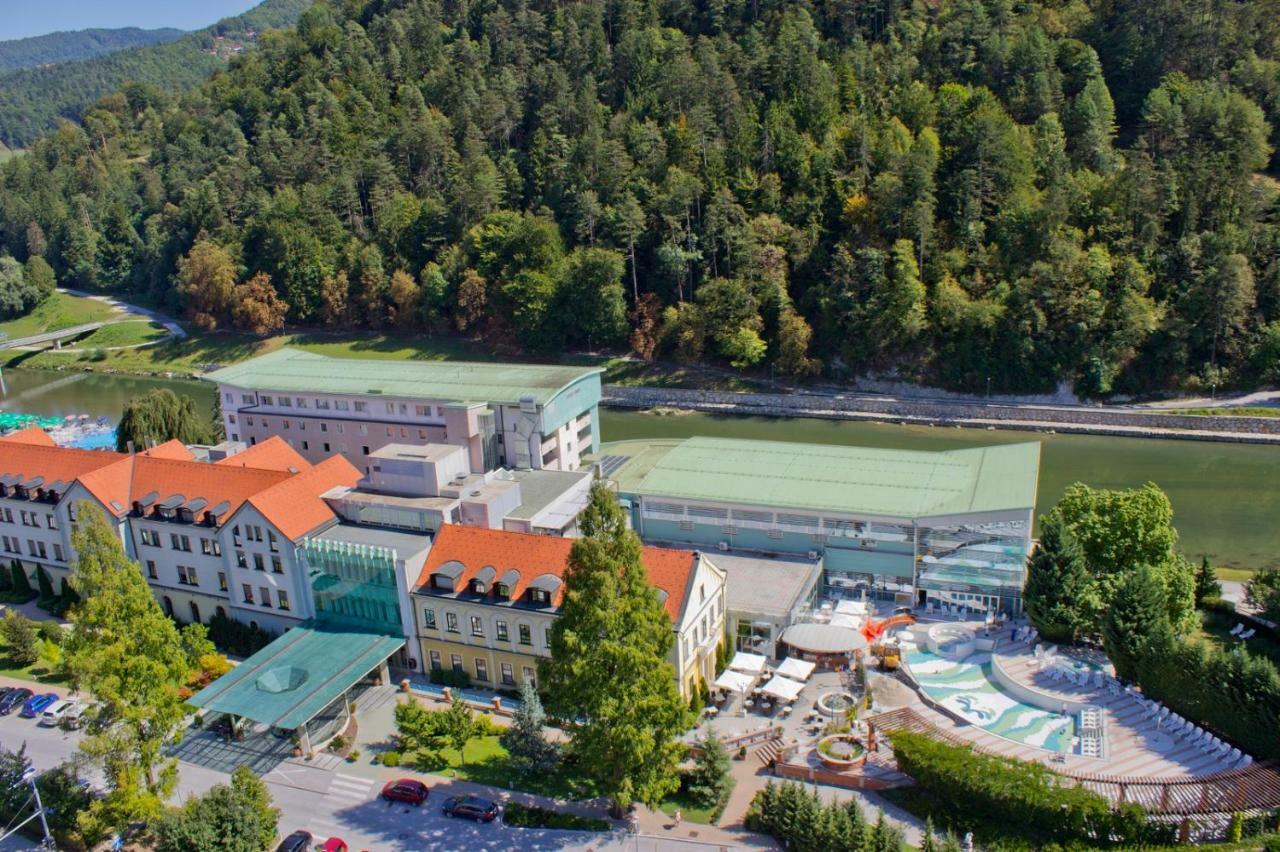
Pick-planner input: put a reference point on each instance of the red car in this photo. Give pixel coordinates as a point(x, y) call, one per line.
point(405, 790)
point(334, 844)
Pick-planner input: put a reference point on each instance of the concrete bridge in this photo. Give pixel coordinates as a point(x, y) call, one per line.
point(54, 337)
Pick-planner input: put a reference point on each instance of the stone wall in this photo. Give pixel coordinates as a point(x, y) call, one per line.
point(1102, 421)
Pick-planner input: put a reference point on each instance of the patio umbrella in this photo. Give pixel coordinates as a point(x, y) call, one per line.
point(750, 663)
point(796, 669)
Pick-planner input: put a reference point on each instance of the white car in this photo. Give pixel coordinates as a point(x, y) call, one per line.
point(55, 712)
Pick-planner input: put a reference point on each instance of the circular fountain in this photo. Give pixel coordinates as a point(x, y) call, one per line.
point(951, 641)
point(836, 703)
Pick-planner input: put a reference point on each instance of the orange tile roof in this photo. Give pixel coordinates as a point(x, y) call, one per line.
point(33, 435)
point(192, 479)
point(54, 464)
point(272, 454)
point(534, 555)
point(171, 449)
point(294, 505)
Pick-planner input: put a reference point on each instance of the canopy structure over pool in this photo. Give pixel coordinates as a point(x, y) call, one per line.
point(823, 638)
point(298, 675)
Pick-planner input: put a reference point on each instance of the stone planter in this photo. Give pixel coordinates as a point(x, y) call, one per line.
point(840, 752)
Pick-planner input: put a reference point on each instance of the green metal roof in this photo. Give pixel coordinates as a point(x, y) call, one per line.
point(454, 381)
point(298, 675)
point(824, 478)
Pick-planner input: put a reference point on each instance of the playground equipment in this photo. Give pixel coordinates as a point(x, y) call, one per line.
point(873, 630)
point(888, 653)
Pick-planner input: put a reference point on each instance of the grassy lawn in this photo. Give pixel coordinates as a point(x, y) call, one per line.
point(127, 333)
point(487, 764)
point(35, 673)
point(1220, 411)
point(58, 311)
point(1235, 575)
point(689, 811)
point(1216, 627)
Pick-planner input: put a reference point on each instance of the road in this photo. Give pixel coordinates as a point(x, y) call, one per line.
point(347, 806)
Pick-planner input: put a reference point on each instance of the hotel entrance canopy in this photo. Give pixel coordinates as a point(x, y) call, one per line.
point(298, 675)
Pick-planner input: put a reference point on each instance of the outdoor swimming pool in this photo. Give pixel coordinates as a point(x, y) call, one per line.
point(965, 687)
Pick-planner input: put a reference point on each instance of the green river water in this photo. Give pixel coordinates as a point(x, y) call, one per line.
point(1226, 497)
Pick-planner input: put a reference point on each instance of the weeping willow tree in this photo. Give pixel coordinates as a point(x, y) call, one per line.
point(160, 416)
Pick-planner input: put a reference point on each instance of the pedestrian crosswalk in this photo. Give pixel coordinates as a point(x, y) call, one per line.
point(347, 790)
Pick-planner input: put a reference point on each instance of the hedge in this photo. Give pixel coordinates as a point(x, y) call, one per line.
point(524, 816)
point(1020, 797)
point(1232, 692)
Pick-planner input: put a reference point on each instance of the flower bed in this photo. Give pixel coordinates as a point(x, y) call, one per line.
point(840, 751)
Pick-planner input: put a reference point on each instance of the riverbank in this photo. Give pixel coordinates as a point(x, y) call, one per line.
point(1116, 422)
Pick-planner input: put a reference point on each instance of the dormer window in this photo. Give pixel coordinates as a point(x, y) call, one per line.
point(539, 596)
point(477, 587)
point(502, 591)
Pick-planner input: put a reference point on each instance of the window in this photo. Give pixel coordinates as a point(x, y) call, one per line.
point(275, 543)
point(40, 551)
point(247, 399)
point(282, 599)
point(422, 410)
point(229, 397)
point(50, 522)
point(266, 400)
point(508, 674)
point(546, 637)
point(341, 404)
point(253, 532)
point(365, 450)
point(435, 661)
point(57, 553)
point(429, 619)
point(286, 402)
point(359, 406)
point(248, 421)
point(530, 676)
point(304, 446)
point(302, 403)
point(326, 448)
point(456, 660)
point(180, 542)
point(539, 596)
point(210, 547)
point(451, 622)
point(241, 562)
point(391, 408)
point(525, 635)
point(258, 563)
point(286, 424)
point(340, 428)
point(322, 403)
point(222, 581)
point(482, 669)
point(502, 632)
point(266, 595)
point(248, 593)
point(231, 418)
point(277, 567)
point(150, 538)
point(477, 629)
point(187, 576)
point(151, 569)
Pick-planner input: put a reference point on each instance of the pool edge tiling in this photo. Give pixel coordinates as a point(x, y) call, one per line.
point(966, 688)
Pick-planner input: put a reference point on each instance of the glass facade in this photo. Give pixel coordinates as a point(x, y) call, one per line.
point(975, 564)
point(354, 585)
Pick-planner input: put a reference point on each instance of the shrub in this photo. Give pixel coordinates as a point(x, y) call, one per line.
point(391, 758)
point(20, 637)
point(21, 583)
point(448, 677)
point(45, 583)
point(353, 755)
point(50, 631)
point(1023, 797)
point(523, 816)
point(429, 760)
point(338, 743)
point(234, 637)
point(798, 819)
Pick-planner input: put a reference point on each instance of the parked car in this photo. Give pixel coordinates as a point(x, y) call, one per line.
point(74, 717)
point(14, 699)
point(55, 712)
point(334, 844)
point(37, 704)
point(299, 841)
point(471, 807)
point(405, 790)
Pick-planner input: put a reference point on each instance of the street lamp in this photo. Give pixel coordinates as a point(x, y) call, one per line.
point(30, 777)
point(988, 388)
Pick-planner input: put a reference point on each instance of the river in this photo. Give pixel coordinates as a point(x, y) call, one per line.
point(1226, 497)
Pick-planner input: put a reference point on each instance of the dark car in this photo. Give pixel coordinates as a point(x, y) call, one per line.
point(299, 841)
point(35, 705)
point(405, 790)
point(471, 807)
point(14, 699)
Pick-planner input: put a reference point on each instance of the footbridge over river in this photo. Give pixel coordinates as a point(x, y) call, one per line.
point(54, 337)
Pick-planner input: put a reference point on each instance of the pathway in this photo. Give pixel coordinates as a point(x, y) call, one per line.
point(171, 325)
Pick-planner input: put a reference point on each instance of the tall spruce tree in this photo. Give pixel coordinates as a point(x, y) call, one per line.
point(1059, 589)
point(608, 678)
point(531, 752)
point(1207, 585)
point(1136, 621)
point(710, 781)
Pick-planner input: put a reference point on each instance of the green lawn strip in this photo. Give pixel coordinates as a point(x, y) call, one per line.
point(35, 673)
point(1236, 575)
point(1216, 627)
point(689, 811)
point(487, 763)
point(127, 333)
point(59, 311)
point(1226, 411)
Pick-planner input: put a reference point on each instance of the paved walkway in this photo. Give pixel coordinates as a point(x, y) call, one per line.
point(170, 324)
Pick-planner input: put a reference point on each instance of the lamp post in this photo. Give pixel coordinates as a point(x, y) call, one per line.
point(988, 388)
point(30, 777)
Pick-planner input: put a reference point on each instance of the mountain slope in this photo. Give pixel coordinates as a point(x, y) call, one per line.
point(75, 45)
point(939, 191)
point(33, 99)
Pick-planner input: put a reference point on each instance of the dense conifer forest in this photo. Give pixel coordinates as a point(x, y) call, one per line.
point(1033, 193)
point(74, 45)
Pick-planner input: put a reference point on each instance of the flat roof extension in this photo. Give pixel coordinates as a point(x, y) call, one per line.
point(452, 381)
point(823, 478)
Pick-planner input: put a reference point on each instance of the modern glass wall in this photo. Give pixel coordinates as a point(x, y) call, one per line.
point(354, 585)
point(980, 565)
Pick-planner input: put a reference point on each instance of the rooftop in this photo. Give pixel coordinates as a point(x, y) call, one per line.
point(453, 381)
point(405, 544)
point(465, 551)
point(824, 478)
point(539, 489)
point(769, 587)
point(298, 675)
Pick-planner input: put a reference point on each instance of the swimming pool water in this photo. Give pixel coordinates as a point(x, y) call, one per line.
point(966, 688)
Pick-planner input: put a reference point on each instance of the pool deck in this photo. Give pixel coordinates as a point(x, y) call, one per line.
point(1135, 747)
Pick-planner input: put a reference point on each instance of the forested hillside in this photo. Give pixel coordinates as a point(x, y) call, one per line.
point(32, 100)
point(78, 44)
point(948, 191)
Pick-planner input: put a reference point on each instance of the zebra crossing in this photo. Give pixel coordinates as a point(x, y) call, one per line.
point(348, 790)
